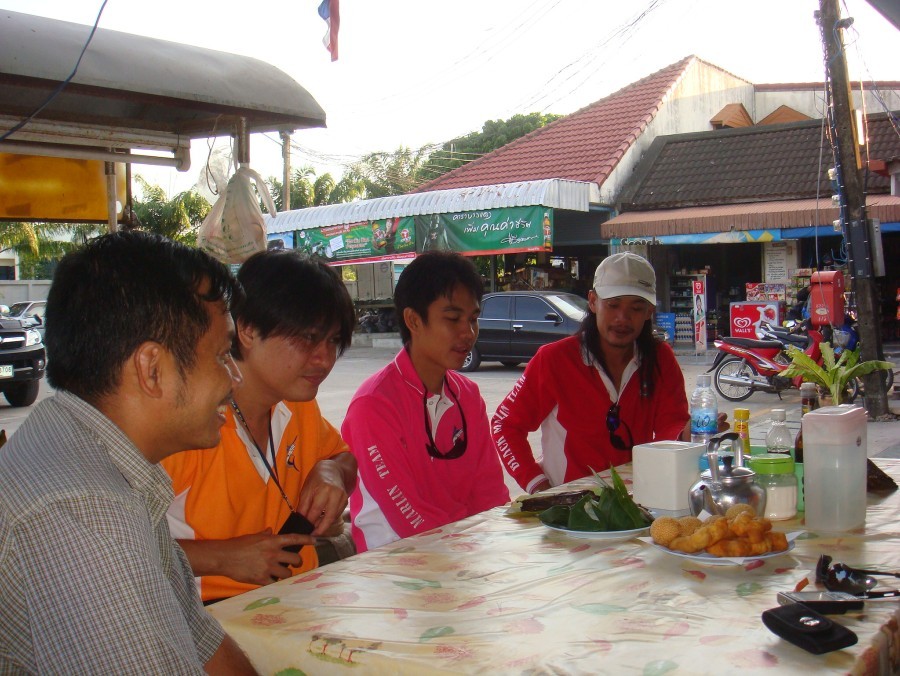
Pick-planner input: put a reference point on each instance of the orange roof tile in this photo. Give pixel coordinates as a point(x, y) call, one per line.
point(732, 116)
point(583, 146)
point(783, 114)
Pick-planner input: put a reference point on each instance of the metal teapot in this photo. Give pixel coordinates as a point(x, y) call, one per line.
point(719, 489)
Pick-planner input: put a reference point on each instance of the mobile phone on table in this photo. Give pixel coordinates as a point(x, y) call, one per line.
point(296, 524)
point(825, 602)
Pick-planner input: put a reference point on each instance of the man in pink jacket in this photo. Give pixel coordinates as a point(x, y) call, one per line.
point(419, 429)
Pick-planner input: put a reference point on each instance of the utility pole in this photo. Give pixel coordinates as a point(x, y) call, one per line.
point(286, 181)
point(854, 224)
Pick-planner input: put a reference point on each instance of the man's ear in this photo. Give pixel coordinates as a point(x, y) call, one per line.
point(412, 319)
point(149, 363)
point(246, 334)
point(592, 301)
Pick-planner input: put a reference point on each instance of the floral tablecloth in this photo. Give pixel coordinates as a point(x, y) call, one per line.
point(500, 595)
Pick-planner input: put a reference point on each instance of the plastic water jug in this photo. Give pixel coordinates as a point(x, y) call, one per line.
point(834, 455)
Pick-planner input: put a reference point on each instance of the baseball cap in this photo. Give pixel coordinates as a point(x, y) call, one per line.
point(625, 274)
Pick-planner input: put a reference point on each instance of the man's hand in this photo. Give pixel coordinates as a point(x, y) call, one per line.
point(256, 559)
point(324, 495)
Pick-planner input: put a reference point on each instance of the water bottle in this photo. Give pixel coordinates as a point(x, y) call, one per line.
point(779, 438)
point(704, 411)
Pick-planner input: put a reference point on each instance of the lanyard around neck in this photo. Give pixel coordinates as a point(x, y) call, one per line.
point(272, 468)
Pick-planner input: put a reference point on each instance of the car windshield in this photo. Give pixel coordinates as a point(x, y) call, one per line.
point(573, 306)
point(17, 308)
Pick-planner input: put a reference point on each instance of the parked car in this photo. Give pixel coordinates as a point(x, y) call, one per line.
point(514, 324)
point(22, 360)
point(30, 309)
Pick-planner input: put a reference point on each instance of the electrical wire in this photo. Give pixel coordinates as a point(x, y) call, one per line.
point(62, 85)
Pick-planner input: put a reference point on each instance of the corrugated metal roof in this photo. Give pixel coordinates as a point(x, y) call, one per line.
point(553, 192)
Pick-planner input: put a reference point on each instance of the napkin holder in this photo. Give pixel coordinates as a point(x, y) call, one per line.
point(663, 473)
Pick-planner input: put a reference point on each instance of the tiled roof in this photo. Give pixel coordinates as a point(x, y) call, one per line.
point(761, 163)
point(583, 146)
point(732, 116)
point(783, 114)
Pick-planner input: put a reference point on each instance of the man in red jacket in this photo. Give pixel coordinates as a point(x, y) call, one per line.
point(598, 393)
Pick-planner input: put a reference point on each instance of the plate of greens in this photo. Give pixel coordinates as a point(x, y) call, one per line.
point(606, 513)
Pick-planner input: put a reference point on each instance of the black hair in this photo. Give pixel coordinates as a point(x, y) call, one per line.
point(433, 275)
point(647, 345)
point(290, 294)
point(122, 290)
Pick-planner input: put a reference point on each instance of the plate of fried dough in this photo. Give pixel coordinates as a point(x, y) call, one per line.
point(733, 539)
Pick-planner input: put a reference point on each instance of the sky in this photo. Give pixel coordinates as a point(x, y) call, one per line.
point(418, 72)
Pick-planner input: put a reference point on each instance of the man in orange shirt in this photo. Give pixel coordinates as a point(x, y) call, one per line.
point(277, 453)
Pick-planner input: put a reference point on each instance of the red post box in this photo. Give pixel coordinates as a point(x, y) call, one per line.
point(826, 298)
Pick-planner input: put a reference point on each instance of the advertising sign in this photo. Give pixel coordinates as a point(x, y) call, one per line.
point(746, 318)
point(489, 231)
point(699, 312)
point(365, 242)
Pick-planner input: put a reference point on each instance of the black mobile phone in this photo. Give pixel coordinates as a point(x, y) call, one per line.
point(826, 602)
point(296, 524)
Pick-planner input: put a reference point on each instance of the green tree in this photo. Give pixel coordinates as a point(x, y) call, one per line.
point(494, 134)
point(40, 245)
point(178, 218)
point(309, 190)
point(383, 174)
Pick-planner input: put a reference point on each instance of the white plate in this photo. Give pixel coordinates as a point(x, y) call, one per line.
point(607, 535)
point(711, 560)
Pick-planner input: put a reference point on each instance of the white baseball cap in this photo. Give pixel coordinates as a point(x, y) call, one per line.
point(625, 274)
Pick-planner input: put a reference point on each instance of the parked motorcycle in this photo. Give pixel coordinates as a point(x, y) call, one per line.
point(744, 366)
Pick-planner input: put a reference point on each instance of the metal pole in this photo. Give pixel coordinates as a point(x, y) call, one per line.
point(111, 211)
point(852, 191)
point(286, 181)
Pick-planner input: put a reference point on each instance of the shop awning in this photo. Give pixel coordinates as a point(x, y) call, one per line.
point(738, 217)
point(555, 192)
point(135, 92)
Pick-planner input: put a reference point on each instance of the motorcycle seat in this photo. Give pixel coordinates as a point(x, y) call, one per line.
point(750, 342)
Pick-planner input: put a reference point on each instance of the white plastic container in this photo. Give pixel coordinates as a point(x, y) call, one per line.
point(664, 472)
point(834, 457)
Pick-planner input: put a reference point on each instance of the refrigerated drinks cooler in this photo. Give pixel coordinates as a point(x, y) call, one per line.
point(746, 317)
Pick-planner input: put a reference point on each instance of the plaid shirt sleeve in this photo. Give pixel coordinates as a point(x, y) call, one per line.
point(104, 597)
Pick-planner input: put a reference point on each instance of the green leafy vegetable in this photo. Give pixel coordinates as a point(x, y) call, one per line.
point(608, 508)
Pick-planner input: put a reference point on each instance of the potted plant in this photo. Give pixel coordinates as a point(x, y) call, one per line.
point(833, 377)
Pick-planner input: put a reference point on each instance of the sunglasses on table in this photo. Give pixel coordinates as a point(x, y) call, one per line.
point(844, 578)
point(613, 423)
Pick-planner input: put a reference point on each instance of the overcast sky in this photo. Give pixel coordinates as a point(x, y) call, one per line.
point(414, 72)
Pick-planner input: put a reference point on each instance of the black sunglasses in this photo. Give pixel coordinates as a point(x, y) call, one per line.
point(841, 577)
point(459, 446)
point(613, 422)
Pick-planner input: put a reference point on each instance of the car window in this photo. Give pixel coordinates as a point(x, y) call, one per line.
point(38, 310)
point(17, 308)
point(496, 307)
point(529, 308)
point(575, 307)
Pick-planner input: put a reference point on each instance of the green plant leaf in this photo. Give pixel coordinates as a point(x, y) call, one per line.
point(827, 356)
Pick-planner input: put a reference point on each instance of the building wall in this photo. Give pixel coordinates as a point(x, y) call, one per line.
point(812, 101)
point(701, 93)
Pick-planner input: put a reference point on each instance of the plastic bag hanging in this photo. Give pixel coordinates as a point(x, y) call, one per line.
point(234, 228)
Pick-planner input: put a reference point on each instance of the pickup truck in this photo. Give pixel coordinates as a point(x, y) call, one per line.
point(22, 360)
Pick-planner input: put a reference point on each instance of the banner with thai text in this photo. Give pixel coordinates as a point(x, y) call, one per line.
point(487, 231)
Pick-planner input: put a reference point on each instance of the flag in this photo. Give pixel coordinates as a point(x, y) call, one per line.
point(330, 11)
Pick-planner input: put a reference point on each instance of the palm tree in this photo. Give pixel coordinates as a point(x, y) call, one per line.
point(309, 190)
point(40, 245)
point(395, 173)
point(178, 218)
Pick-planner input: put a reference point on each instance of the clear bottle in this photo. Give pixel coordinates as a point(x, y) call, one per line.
point(742, 428)
point(779, 438)
point(704, 411)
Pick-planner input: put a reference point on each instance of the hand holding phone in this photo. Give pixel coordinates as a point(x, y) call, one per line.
point(296, 524)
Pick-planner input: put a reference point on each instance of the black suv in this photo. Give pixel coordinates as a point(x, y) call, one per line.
point(514, 324)
point(22, 360)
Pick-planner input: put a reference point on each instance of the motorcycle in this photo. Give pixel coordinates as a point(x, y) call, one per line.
point(744, 366)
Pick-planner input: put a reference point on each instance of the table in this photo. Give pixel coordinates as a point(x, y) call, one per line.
point(499, 595)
